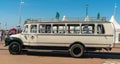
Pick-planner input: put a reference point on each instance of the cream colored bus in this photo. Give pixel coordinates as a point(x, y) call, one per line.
point(76, 37)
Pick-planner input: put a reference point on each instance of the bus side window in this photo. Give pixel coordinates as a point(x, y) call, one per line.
point(55, 29)
point(119, 37)
point(48, 29)
point(59, 28)
point(25, 29)
point(100, 29)
point(44, 28)
point(33, 29)
point(73, 28)
point(88, 29)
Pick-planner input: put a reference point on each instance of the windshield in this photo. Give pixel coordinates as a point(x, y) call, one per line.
point(25, 29)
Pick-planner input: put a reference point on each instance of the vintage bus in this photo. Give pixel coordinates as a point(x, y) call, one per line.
point(76, 37)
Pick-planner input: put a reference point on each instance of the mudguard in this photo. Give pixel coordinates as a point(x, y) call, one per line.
point(8, 40)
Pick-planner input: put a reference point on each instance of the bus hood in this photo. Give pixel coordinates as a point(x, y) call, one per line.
point(15, 35)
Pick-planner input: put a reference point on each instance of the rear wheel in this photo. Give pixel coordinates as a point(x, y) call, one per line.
point(77, 50)
point(15, 48)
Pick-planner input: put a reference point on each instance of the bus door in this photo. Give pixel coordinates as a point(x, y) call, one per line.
point(105, 36)
point(33, 35)
point(25, 35)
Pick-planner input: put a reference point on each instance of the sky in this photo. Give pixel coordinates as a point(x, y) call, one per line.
point(9, 10)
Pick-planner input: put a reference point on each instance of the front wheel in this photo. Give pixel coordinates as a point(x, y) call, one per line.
point(77, 50)
point(15, 48)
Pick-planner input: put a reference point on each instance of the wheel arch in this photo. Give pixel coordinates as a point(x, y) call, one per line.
point(16, 40)
point(77, 42)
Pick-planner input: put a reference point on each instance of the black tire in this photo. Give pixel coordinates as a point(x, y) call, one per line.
point(76, 50)
point(15, 48)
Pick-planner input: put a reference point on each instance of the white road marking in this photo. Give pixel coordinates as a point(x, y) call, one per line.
point(111, 62)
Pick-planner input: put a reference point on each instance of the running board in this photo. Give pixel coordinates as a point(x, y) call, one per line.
point(39, 50)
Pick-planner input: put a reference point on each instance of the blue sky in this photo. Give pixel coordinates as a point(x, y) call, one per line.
point(9, 9)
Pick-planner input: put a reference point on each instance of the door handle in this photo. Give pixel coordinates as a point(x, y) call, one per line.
point(32, 37)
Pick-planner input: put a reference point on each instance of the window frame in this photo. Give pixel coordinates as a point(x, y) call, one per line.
point(36, 29)
point(58, 28)
point(101, 28)
point(87, 28)
point(72, 29)
point(24, 29)
point(44, 30)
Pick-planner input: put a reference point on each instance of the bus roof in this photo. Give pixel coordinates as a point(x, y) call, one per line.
point(31, 21)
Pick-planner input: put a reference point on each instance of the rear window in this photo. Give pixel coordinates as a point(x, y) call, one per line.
point(100, 29)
